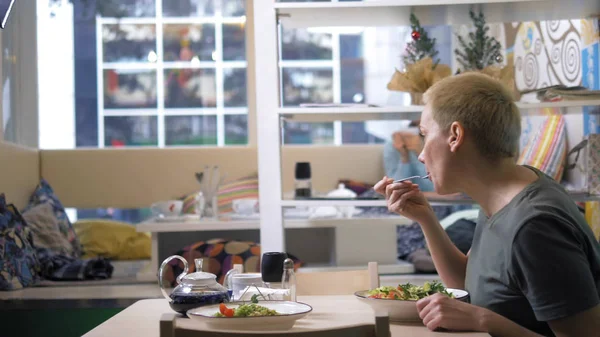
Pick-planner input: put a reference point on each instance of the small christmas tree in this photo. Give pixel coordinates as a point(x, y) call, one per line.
point(481, 50)
point(421, 46)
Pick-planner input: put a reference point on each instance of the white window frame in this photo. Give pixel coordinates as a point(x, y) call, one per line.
point(220, 111)
point(23, 18)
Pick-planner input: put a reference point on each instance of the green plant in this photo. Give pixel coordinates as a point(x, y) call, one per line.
point(421, 46)
point(481, 50)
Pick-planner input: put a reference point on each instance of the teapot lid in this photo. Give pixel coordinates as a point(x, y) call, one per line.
point(200, 277)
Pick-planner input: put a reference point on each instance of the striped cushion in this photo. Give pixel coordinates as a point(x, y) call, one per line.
point(547, 150)
point(243, 188)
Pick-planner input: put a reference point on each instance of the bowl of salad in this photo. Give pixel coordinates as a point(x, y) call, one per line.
point(263, 315)
point(400, 302)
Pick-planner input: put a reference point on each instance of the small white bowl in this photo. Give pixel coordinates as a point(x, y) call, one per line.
point(402, 310)
point(290, 313)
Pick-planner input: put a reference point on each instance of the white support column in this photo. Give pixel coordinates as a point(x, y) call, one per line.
point(261, 17)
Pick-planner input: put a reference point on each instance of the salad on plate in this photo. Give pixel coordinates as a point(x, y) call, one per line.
point(245, 310)
point(409, 292)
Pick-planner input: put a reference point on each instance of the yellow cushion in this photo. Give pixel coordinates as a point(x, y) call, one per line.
point(112, 239)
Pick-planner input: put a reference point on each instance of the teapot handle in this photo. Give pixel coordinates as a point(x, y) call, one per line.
point(178, 279)
point(227, 282)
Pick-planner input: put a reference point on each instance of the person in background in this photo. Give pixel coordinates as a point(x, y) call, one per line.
point(400, 161)
point(400, 157)
point(534, 264)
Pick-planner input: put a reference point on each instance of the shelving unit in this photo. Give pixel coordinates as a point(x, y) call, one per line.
point(396, 12)
point(267, 14)
point(327, 114)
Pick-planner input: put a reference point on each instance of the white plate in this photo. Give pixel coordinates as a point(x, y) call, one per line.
point(290, 312)
point(401, 310)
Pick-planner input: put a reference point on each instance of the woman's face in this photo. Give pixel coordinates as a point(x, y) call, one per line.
point(436, 153)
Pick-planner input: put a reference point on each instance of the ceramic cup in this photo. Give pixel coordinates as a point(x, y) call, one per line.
point(271, 266)
point(245, 206)
point(167, 208)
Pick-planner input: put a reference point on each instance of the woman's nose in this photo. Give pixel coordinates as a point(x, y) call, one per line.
point(421, 157)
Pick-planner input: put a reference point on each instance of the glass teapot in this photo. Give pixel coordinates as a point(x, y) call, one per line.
point(192, 290)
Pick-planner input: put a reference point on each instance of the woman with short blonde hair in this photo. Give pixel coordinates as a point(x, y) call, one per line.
point(534, 264)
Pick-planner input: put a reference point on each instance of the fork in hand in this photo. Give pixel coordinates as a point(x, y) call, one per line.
point(409, 178)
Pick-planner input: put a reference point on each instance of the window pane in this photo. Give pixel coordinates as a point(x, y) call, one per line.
point(307, 133)
point(195, 8)
point(184, 42)
point(352, 69)
point(307, 85)
point(191, 130)
point(355, 133)
point(129, 215)
point(236, 129)
point(301, 44)
point(234, 42)
point(124, 8)
point(234, 7)
point(190, 88)
point(129, 89)
point(234, 87)
point(129, 43)
point(130, 131)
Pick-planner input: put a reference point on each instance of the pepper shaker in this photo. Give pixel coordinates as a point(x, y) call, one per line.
point(288, 280)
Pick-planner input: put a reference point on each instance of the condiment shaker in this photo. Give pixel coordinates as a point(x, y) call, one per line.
point(288, 280)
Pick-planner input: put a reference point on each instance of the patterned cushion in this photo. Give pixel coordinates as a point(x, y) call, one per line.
point(19, 265)
point(45, 229)
point(243, 188)
point(44, 194)
point(220, 256)
point(547, 150)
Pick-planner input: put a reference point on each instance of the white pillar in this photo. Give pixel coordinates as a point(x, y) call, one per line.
point(262, 40)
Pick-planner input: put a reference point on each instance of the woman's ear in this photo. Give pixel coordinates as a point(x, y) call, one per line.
point(456, 136)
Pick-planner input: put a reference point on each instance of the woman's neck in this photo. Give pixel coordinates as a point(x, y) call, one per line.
point(493, 186)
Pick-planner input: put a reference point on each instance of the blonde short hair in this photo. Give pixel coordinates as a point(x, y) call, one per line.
point(485, 108)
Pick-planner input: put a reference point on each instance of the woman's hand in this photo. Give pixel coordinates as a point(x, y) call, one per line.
point(442, 312)
point(405, 199)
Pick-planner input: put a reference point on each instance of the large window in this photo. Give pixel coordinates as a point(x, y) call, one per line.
point(173, 73)
point(154, 73)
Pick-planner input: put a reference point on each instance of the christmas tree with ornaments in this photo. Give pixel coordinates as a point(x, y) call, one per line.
point(421, 46)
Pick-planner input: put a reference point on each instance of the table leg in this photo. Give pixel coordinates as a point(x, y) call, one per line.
point(150, 273)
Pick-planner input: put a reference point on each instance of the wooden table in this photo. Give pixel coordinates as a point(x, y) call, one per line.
point(142, 319)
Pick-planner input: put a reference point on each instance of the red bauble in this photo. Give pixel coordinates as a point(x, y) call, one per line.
point(415, 35)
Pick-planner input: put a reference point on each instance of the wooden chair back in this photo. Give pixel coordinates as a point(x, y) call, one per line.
point(337, 282)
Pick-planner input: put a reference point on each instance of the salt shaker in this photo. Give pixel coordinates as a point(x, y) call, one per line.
point(288, 279)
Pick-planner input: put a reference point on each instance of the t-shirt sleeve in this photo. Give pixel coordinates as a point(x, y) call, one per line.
point(550, 266)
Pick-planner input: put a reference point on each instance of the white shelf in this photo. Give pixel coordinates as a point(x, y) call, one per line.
point(578, 197)
point(328, 114)
point(387, 3)
point(225, 225)
point(438, 12)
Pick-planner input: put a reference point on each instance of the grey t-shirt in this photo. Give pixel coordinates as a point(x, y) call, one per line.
point(535, 260)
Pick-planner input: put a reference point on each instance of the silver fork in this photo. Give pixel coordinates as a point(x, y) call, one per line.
point(409, 178)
